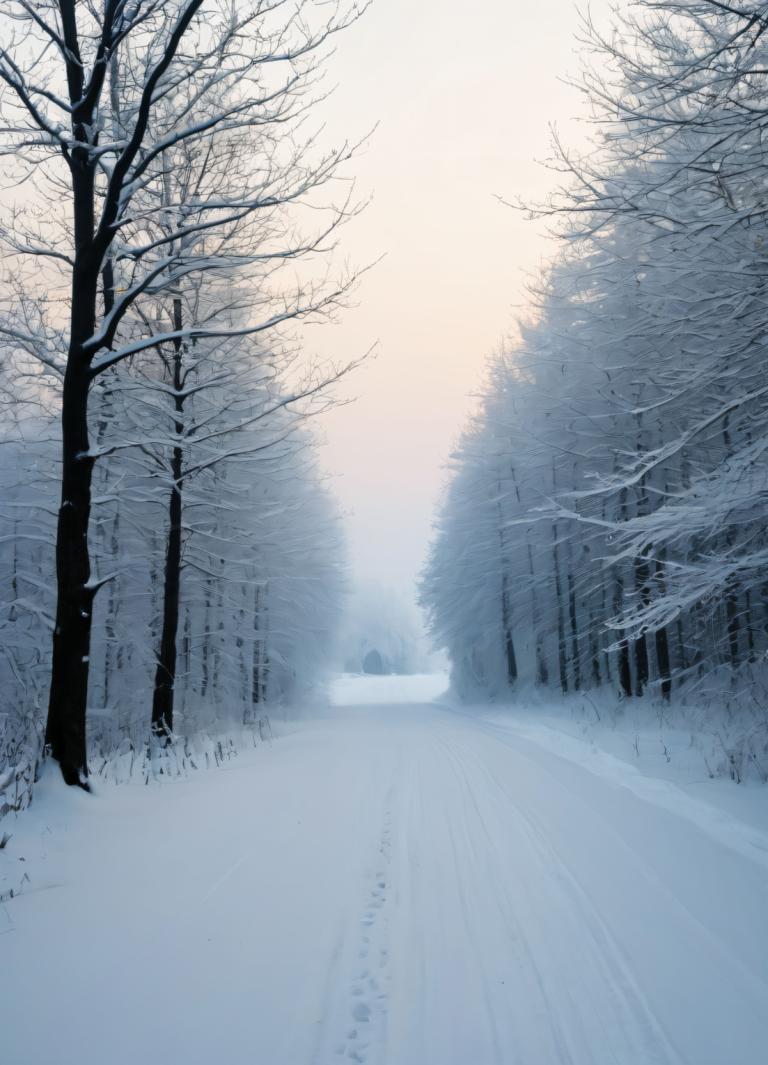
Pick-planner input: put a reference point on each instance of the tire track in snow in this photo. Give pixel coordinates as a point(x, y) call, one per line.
point(649, 1043)
point(459, 856)
point(507, 914)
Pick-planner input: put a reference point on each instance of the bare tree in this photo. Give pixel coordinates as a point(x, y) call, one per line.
point(96, 98)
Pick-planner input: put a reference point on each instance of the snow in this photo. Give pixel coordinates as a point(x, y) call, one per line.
point(355, 689)
point(394, 882)
point(634, 753)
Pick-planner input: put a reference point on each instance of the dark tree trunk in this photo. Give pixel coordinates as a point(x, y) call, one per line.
point(219, 641)
point(260, 659)
point(643, 592)
point(731, 600)
point(256, 672)
point(662, 640)
point(603, 611)
point(624, 667)
point(506, 622)
point(642, 667)
point(165, 674)
point(65, 730)
point(748, 623)
point(662, 658)
point(542, 673)
point(506, 612)
point(105, 412)
point(561, 653)
point(642, 575)
point(594, 649)
point(681, 649)
point(186, 651)
point(240, 644)
point(734, 629)
point(110, 630)
point(562, 660)
point(205, 650)
point(573, 613)
point(14, 574)
point(575, 656)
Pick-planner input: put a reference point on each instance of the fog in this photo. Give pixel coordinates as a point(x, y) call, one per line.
point(464, 108)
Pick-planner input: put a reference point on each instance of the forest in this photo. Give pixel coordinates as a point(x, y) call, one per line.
point(171, 555)
point(605, 524)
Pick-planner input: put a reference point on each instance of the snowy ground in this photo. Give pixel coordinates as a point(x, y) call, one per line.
point(393, 882)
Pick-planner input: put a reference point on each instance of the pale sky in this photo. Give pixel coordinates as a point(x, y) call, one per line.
point(464, 95)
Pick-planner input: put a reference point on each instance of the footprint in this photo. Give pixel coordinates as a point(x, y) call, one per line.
point(361, 1012)
point(368, 998)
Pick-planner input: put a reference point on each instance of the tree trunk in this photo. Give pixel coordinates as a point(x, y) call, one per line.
point(165, 674)
point(624, 667)
point(65, 730)
point(506, 613)
point(642, 668)
point(105, 410)
point(575, 654)
point(256, 676)
point(186, 651)
point(260, 652)
point(748, 623)
point(731, 601)
point(603, 611)
point(542, 673)
point(561, 654)
point(643, 592)
point(662, 639)
point(662, 658)
point(506, 623)
point(594, 649)
point(205, 650)
point(561, 651)
point(219, 641)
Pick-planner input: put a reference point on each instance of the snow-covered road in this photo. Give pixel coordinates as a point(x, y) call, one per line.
point(388, 884)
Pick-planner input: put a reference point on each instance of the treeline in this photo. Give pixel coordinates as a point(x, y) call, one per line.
point(606, 518)
point(250, 602)
point(170, 557)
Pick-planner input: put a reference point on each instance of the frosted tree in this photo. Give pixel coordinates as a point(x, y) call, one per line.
point(606, 519)
point(87, 97)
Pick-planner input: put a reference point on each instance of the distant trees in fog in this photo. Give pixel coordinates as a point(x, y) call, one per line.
point(382, 632)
